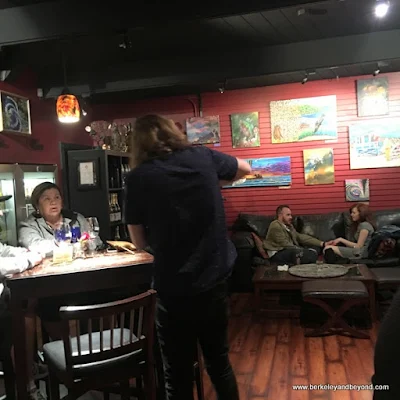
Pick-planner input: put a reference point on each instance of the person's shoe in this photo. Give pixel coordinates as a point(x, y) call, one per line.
point(36, 394)
point(39, 371)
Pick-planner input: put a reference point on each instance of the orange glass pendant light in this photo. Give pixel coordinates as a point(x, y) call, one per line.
point(68, 108)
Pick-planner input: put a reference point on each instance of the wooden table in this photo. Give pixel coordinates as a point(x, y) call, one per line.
point(104, 271)
point(269, 278)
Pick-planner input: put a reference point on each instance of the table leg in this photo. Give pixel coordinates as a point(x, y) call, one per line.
point(257, 298)
point(372, 301)
point(19, 342)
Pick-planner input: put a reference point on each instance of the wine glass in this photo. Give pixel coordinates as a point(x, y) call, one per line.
point(94, 227)
point(63, 233)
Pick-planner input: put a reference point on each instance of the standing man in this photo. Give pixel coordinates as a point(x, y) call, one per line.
point(285, 245)
point(174, 204)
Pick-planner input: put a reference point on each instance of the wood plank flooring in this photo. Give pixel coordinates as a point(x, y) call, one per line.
point(271, 355)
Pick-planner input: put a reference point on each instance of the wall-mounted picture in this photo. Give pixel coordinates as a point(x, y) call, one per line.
point(319, 168)
point(373, 96)
point(15, 116)
point(357, 189)
point(305, 119)
point(202, 130)
point(245, 130)
point(375, 144)
point(273, 171)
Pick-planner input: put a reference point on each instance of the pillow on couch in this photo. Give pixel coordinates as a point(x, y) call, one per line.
point(253, 223)
point(259, 245)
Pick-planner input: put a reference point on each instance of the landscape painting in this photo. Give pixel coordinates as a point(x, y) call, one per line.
point(273, 171)
point(319, 168)
point(357, 189)
point(373, 97)
point(245, 130)
point(375, 144)
point(305, 119)
point(202, 130)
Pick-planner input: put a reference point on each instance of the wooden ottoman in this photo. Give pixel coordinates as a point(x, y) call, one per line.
point(350, 293)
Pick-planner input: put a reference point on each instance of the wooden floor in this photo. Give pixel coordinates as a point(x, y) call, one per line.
point(271, 355)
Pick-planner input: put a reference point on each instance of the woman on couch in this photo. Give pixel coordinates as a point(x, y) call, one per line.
point(361, 229)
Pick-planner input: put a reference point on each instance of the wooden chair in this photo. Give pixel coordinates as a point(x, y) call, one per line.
point(96, 360)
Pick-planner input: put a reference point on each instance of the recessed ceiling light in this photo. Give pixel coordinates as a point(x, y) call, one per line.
point(381, 8)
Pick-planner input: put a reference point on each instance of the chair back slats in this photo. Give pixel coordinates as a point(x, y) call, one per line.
point(115, 331)
point(90, 335)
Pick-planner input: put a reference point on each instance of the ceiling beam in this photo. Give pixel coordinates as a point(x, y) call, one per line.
point(58, 19)
point(294, 57)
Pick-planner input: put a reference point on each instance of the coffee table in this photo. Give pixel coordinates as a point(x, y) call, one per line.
point(269, 278)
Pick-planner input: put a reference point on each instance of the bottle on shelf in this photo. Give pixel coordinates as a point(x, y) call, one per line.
point(117, 234)
point(111, 208)
point(117, 208)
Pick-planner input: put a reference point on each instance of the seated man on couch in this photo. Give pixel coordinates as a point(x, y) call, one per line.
point(285, 245)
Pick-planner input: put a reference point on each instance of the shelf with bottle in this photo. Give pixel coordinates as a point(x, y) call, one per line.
point(117, 172)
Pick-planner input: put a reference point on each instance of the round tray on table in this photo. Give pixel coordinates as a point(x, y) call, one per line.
point(318, 270)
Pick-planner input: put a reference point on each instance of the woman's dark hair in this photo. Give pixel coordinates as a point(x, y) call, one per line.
point(39, 190)
point(365, 216)
point(155, 136)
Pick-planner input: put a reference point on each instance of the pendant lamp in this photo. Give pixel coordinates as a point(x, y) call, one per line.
point(67, 106)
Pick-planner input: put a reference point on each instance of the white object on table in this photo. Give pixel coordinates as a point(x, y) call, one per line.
point(284, 267)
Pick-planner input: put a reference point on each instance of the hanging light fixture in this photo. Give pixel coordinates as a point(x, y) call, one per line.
point(67, 106)
point(68, 109)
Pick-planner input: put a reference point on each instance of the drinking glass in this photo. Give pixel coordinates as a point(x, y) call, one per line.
point(63, 233)
point(94, 227)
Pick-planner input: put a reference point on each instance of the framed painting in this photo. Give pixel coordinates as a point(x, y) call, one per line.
point(300, 120)
point(202, 130)
point(245, 130)
point(375, 144)
point(357, 189)
point(269, 171)
point(319, 168)
point(15, 115)
point(373, 97)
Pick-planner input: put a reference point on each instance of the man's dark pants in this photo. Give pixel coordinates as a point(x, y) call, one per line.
point(290, 256)
point(181, 322)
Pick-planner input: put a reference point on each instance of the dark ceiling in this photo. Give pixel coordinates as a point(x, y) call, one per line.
point(116, 54)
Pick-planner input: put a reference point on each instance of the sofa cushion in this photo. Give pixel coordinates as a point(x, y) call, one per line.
point(322, 226)
point(242, 240)
point(378, 262)
point(253, 223)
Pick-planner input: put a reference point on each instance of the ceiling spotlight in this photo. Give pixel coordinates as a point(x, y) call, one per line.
point(376, 72)
point(305, 80)
point(88, 129)
point(381, 8)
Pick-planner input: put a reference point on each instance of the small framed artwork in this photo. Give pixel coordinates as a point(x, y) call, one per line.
point(87, 175)
point(373, 97)
point(15, 114)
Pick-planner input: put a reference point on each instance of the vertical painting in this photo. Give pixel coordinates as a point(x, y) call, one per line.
point(375, 144)
point(357, 189)
point(373, 97)
point(15, 114)
point(245, 130)
point(319, 168)
point(202, 130)
point(305, 119)
point(273, 171)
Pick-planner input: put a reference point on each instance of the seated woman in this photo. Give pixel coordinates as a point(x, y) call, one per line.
point(362, 229)
point(37, 232)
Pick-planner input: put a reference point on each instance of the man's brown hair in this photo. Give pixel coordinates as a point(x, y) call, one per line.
point(155, 136)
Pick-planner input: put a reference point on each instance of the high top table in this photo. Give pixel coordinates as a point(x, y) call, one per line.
point(103, 271)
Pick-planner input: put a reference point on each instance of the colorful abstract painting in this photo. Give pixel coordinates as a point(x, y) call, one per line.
point(15, 116)
point(274, 171)
point(319, 168)
point(299, 120)
point(375, 144)
point(357, 189)
point(245, 130)
point(201, 130)
point(373, 97)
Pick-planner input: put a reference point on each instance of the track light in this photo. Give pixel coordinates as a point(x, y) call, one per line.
point(305, 80)
point(381, 8)
point(376, 72)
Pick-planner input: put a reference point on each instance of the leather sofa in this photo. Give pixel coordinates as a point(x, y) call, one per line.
point(322, 226)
